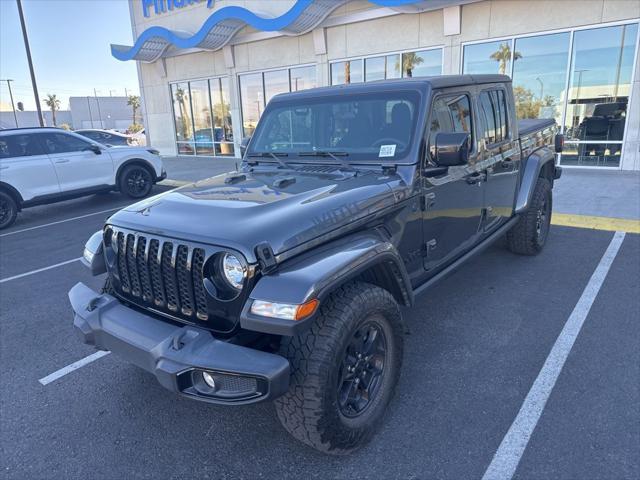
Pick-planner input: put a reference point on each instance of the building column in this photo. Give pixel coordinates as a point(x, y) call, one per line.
point(631, 147)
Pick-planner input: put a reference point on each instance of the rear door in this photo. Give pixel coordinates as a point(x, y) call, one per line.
point(26, 167)
point(77, 166)
point(453, 201)
point(500, 151)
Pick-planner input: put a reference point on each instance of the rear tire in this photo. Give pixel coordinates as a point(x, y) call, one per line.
point(136, 181)
point(8, 210)
point(529, 235)
point(344, 370)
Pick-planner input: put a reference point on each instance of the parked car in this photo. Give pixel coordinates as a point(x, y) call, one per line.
point(110, 138)
point(46, 165)
point(284, 280)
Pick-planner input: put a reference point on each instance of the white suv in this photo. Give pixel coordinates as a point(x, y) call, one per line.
point(46, 165)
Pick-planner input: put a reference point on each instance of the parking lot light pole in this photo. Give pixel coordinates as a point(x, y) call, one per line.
point(9, 80)
point(28, 50)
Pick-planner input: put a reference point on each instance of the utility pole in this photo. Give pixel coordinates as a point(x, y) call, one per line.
point(95, 94)
point(28, 50)
point(89, 107)
point(9, 80)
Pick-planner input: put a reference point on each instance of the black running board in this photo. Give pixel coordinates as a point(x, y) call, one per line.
point(467, 256)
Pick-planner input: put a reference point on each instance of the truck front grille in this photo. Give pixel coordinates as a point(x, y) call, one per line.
point(163, 274)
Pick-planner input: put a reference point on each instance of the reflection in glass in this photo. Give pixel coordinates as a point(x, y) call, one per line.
point(182, 118)
point(592, 155)
point(539, 75)
point(490, 57)
point(303, 78)
point(381, 68)
point(422, 64)
point(222, 125)
point(252, 101)
point(346, 72)
point(201, 109)
point(275, 83)
point(600, 83)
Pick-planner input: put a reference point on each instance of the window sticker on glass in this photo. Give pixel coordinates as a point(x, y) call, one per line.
point(387, 151)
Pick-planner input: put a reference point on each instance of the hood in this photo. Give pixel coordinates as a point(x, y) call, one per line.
point(241, 210)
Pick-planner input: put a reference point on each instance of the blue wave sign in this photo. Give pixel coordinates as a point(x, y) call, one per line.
point(162, 6)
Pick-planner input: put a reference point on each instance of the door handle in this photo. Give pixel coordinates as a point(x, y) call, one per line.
point(476, 178)
point(64, 160)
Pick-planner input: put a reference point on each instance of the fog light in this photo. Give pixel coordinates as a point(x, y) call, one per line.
point(208, 379)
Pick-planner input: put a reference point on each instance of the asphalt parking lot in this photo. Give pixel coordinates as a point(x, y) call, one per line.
point(479, 342)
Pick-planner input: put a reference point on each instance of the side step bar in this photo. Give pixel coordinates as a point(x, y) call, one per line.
point(467, 256)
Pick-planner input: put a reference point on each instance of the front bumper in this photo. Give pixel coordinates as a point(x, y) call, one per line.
point(178, 355)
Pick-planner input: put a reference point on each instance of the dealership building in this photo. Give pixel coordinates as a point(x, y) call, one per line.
point(207, 68)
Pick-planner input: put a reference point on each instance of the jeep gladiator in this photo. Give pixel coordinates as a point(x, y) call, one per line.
point(283, 280)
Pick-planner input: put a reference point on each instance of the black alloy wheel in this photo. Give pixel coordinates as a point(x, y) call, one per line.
point(136, 181)
point(361, 370)
point(8, 210)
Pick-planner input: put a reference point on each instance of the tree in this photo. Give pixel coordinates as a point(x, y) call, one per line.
point(134, 101)
point(410, 61)
point(54, 105)
point(503, 56)
point(186, 121)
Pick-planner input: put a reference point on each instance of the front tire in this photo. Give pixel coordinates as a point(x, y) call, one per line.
point(8, 210)
point(344, 370)
point(135, 181)
point(529, 235)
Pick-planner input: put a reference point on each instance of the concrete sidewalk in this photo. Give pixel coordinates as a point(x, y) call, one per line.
point(598, 193)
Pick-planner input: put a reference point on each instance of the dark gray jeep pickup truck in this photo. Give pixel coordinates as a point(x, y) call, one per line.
point(284, 280)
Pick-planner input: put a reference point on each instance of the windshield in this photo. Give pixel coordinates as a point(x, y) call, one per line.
point(362, 126)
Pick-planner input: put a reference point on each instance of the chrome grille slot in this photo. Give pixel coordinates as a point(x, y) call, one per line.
point(160, 274)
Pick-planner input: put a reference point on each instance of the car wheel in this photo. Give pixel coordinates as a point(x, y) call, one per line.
point(344, 370)
point(136, 181)
point(8, 210)
point(529, 235)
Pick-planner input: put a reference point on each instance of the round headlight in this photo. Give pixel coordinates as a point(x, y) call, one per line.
point(233, 270)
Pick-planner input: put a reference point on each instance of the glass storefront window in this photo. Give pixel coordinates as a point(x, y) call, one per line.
point(423, 63)
point(349, 71)
point(202, 117)
point(380, 68)
point(275, 82)
point(182, 118)
point(303, 78)
point(539, 75)
point(490, 57)
point(252, 98)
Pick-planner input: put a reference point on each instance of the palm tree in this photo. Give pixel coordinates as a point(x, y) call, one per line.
point(134, 101)
point(347, 72)
point(503, 56)
point(181, 98)
point(54, 104)
point(410, 61)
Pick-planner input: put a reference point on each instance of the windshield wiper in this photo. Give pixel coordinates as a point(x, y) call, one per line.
point(334, 155)
point(275, 156)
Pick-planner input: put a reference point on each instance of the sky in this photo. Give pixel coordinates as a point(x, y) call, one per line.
point(70, 46)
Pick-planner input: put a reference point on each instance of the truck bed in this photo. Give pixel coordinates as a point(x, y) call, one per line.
point(530, 125)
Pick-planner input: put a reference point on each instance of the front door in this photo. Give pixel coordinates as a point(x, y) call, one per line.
point(453, 201)
point(77, 166)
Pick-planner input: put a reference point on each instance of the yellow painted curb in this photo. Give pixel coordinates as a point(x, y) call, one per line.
point(596, 223)
point(173, 183)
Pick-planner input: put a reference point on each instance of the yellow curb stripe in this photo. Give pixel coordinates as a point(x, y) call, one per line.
point(596, 223)
point(173, 183)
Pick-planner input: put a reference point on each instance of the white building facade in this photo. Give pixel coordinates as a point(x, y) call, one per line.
point(207, 68)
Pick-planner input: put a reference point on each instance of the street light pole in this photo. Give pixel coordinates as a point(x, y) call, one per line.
point(28, 50)
point(95, 94)
point(9, 80)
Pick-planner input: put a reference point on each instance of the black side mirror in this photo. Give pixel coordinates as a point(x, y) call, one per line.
point(558, 142)
point(451, 149)
point(94, 148)
point(244, 144)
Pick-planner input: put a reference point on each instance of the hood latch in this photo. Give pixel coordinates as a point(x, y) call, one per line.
point(267, 259)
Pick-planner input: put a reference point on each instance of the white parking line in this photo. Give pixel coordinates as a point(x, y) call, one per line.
point(506, 460)
point(61, 221)
point(15, 277)
point(74, 366)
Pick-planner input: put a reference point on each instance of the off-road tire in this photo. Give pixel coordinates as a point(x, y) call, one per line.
point(529, 235)
point(8, 210)
point(135, 181)
point(309, 410)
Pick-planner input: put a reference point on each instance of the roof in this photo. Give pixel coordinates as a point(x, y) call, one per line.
point(224, 23)
point(22, 129)
point(417, 83)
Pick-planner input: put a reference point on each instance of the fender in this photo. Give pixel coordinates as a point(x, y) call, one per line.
point(13, 191)
point(317, 274)
point(534, 165)
point(136, 160)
